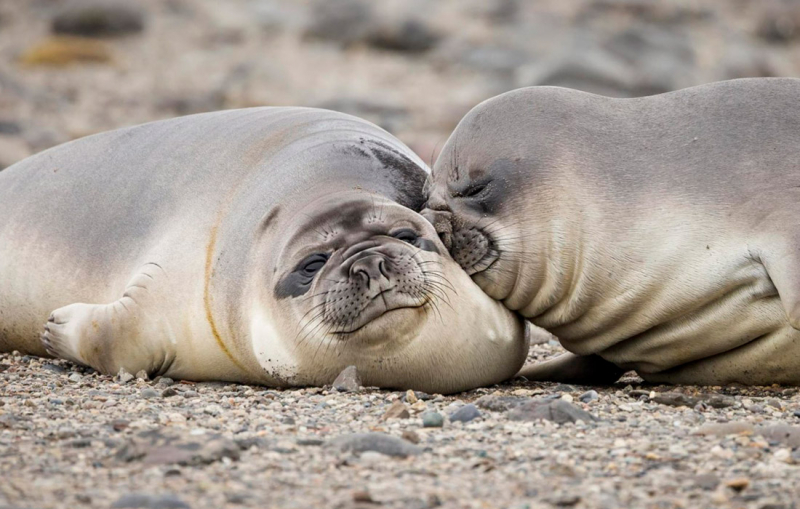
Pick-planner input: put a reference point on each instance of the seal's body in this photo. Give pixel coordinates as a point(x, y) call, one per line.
point(660, 233)
point(265, 245)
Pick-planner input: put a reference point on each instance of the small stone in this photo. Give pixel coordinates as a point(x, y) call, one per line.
point(432, 420)
point(348, 380)
point(588, 396)
point(213, 410)
point(165, 381)
point(123, 376)
point(411, 435)
point(707, 482)
point(410, 397)
point(63, 433)
point(378, 442)
point(119, 424)
point(558, 411)
point(363, 496)
point(568, 398)
point(397, 410)
point(738, 484)
point(419, 406)
point(169, 392)
point(190, 394)
point(465, 414)
point(75, 378)
point(149, 393)
point(142, 375)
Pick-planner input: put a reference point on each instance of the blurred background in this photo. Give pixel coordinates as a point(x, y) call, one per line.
point(69, 68)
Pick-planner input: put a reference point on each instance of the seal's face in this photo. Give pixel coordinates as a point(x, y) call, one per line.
point(471, 203)
point(358, 266)
point(360, 280)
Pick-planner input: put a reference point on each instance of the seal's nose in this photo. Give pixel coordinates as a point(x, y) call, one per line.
point(442, 221)
point(371, 268)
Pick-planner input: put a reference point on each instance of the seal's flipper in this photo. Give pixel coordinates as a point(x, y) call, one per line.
point(123, 334)
point(569, 368)
point(783, 268)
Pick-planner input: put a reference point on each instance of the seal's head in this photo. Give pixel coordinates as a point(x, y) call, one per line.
point(357, 279)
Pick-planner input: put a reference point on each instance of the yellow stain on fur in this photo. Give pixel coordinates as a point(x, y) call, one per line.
point(212, 242)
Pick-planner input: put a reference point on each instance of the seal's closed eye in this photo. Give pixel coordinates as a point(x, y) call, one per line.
point(297, 282)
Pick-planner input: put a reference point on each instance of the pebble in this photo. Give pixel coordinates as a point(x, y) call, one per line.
point(149, 393)
point(410, 397)
point(377, 442)
point(168, 392)
point(54, 368)
point(432, 420)
point(75, 378)
point(558, 411)
point(466, 413)
point(190, 394)
point(123, 376)
point(142, 375)
point(588, 396)
point(348, 380)
point(398, 410)
point(165, 381)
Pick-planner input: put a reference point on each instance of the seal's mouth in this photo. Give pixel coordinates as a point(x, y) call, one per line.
point(376, 316)
point(473, 249)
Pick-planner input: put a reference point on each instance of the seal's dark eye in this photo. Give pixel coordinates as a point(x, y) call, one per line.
point(474, 190)
point(406, 235)
point(312, 264)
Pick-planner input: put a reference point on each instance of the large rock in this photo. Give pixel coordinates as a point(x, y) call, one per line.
point(99, 18)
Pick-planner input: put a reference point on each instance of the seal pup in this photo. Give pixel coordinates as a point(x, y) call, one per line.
point(267, 245)
point(659, 234)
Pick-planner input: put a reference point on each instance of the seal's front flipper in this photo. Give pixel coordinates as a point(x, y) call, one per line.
point(783, 267)
point(124, 334)
point(569, 368)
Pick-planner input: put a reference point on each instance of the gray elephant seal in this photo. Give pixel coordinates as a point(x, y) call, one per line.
point(266, 245)
point(660, 234)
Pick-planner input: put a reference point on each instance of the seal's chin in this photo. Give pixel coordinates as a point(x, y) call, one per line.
point(398, 325)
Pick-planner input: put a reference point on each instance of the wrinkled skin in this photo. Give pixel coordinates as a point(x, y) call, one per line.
point(657, 234)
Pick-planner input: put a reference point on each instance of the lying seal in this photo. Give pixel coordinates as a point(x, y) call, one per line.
point(265, 245)
point(660, 234)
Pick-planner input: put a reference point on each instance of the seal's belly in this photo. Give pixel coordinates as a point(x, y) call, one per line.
point(738, 334)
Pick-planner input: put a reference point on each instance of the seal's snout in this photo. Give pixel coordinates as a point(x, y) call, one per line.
point(371, 268)
point(442, 221)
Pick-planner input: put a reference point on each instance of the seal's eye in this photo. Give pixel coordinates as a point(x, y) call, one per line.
point(474, 190)
point(312, 264)
point(406, 235)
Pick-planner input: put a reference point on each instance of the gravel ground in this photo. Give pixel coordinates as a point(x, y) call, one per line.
point(70, 437)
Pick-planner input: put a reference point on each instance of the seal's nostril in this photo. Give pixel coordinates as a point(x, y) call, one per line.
point(382, 268)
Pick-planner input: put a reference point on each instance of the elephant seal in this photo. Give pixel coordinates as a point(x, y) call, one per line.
point(267, 245)
point(659, 234)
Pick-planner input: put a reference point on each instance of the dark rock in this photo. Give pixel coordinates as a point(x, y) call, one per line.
point(141, 500)
point(119, 424)
point(9, 128)
point(168, 447)
point(500, 403)
point(558, 411)
point(53, 368)
point(348, 380)
point(340, 21)
point(408, 36)
point(99, 18)
point(310, 441)
point(378, 442)
point(432, 420)
point(465, 414)
point(169, 392)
